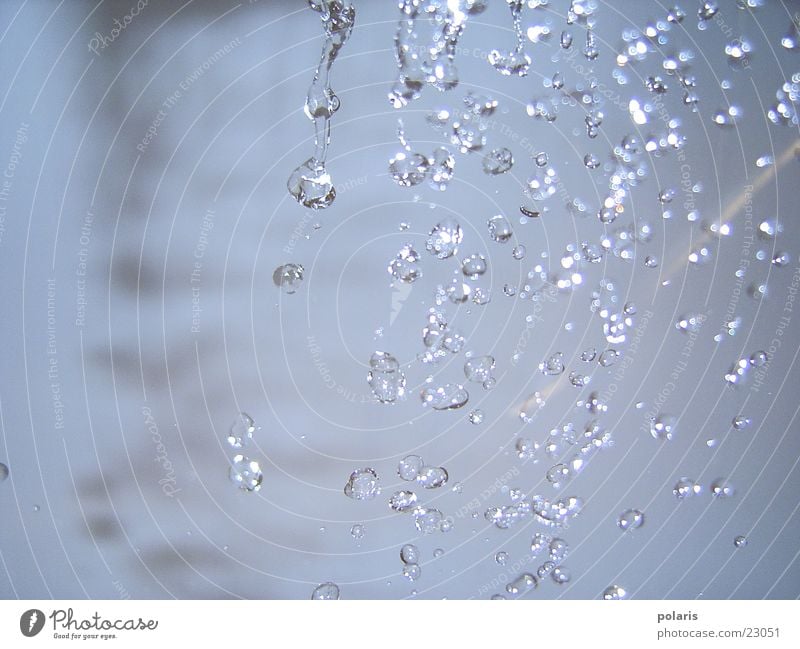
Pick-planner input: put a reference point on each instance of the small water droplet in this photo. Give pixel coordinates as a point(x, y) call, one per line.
point(740, 541)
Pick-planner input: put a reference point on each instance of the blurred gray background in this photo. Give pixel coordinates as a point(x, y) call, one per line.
point(114, 411)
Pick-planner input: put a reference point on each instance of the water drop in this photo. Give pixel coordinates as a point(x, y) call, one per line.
point(357, 531)
point(428, 520)
point(288, 277)
point(498, 161)
point(385, 379)
point(553, 365)
point(441, 165)
point(409, 467)
point(405, 266)
point(3, 472)
point(246, 473)
point(501, 558)
point(614, 592)
point(500, 229)
point(445, 238)
point(409, 553)
point(311, 185)
point(363, 484)
point(412, 571)
point(241, 431)
point(740, 542)
point(740, 422)
point(328, 590)
point(448, 396)
point(663, 427)
point(722, 488)
point(518, 252)
point(402, 500)
point(630, 519)
point(560, 575)
point(476, 417)
point(479, 368)
point(522, 584)
point(432, 477)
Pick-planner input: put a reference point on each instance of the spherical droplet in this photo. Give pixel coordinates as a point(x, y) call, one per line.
point(740, 541)
point(630, 519)
point(501, 558)
point(476, 417)
point(357, 531)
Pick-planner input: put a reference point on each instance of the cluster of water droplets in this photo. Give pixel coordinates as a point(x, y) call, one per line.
point(244, 472)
